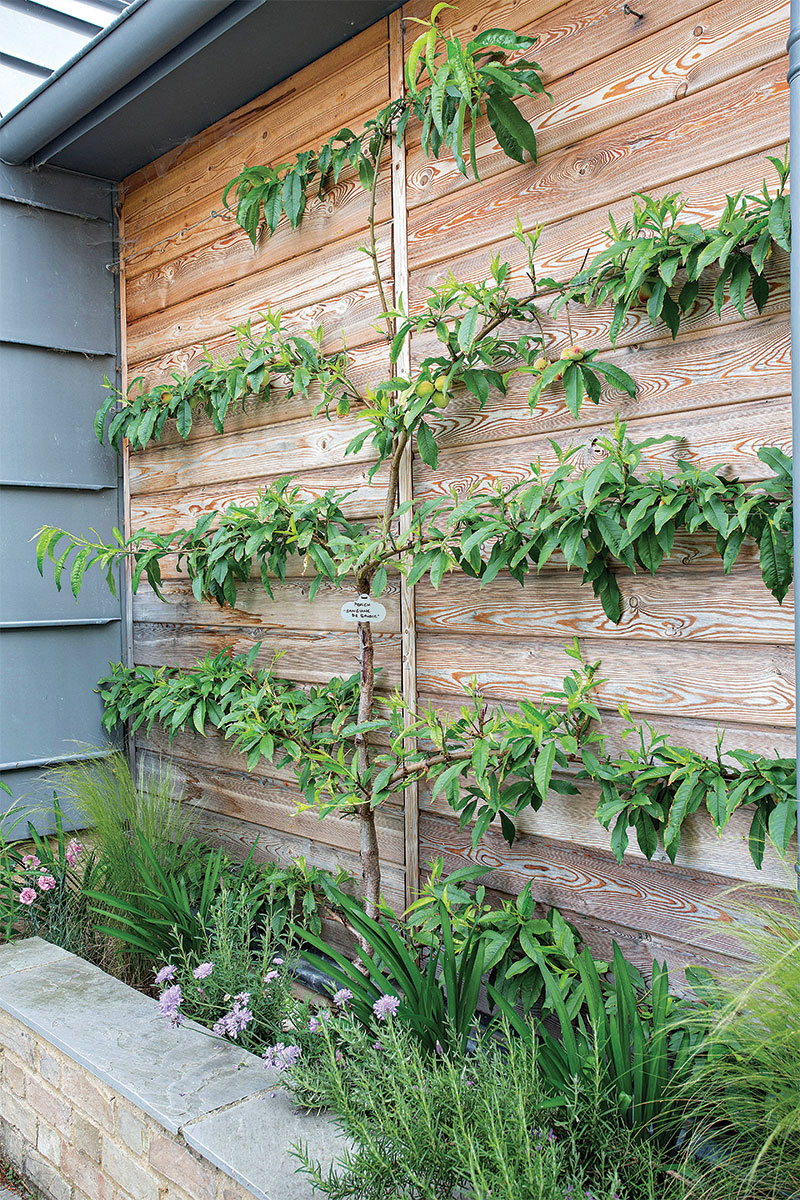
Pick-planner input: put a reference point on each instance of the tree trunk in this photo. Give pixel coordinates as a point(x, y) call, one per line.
point(370, 858)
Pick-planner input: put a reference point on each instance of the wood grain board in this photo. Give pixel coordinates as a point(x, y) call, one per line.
point(688, 98)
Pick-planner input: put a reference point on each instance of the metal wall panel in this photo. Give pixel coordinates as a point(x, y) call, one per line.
point(59, 446)
point(60, 191)
point(57, 289)
point(58, 339)
point(26, 597)
point(50, 709)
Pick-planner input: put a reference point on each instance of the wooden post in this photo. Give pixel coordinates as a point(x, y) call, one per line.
point(127, 570)
point(408, 628)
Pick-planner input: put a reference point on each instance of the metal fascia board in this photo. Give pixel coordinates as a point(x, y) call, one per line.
point(143, 34)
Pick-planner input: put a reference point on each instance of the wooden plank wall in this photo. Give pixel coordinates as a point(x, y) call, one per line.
point(199, 280)
point(690, 97)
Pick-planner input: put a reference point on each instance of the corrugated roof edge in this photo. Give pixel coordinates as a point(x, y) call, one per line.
point(134, 41)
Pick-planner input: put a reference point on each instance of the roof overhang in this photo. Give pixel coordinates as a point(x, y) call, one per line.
point(165, 70)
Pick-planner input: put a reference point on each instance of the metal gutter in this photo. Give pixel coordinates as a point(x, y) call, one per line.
point(142, 34)
point(794, 150)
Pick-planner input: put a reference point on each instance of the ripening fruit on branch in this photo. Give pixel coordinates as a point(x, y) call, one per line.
point(440, 383)
point(573, 353)
point(424, 389)
point(541, 363)
point(441, 399)
point(645, 292)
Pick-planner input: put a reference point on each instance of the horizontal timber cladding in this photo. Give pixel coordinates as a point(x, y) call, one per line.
point(689, 98)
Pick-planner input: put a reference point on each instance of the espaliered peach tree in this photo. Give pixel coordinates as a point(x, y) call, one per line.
point(351, 752)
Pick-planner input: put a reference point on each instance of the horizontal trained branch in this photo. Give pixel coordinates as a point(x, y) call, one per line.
point(596, 517)
point(656, 256)
point(220, 388)
point(488, 764)
point(648, 253)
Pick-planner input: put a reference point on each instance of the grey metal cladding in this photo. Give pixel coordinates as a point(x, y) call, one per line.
point(24, 595)
point(59, 446)
point(59, 191)
point(58, 339)
point(33, 801)
point(49, 706)
point(62, 294)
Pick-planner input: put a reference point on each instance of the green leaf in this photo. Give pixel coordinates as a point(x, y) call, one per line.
point(573, 388)
point(776, 567)
point(543, 767)
point(379, 581)
point(183, 419)
point(293, 196)
point(618, 378)
point(503, 114)
point(76, 574)
point(477, 384)
point(467, 329)
point(428, 450)
point(782, 823)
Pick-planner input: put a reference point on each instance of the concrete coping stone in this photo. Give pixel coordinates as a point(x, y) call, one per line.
point(217, 1096)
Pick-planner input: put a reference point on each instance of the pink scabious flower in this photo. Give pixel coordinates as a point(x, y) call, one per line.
point(235, 1021)
point(386, 1006)
point(315, 1023)
point(270, 976)
point(27, 896)
point(203, 971)
point(74, 850)
point(46, 883)
point(341, 997)
point(280, 1057)
point(278, 961)
point(169, 1003)
point(30, 860)
point(165, 974)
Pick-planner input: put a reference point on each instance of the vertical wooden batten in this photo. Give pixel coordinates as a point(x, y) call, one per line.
point(408, 625)
point(127, 528)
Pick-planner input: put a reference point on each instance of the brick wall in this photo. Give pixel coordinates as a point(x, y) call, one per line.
point(74, 1138)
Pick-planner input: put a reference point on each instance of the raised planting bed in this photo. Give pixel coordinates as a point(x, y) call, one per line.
point(101, 1098)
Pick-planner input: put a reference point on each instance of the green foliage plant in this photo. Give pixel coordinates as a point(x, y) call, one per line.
point(595, 518)
point(647, 254)
point(162, 915)
point(447, 1126)
point(438, 1001)
point(448, 86)
point(652, 786)
point(43, 884)
point(245, 958)
point(116, 808)
point(634, 1049)
point(743, 1099)
point(489, 764)
point(514, 942)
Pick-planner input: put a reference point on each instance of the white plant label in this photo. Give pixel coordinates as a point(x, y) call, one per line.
point(364, 609)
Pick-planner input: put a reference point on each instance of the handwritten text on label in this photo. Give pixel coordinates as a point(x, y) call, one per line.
point(364, 609)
